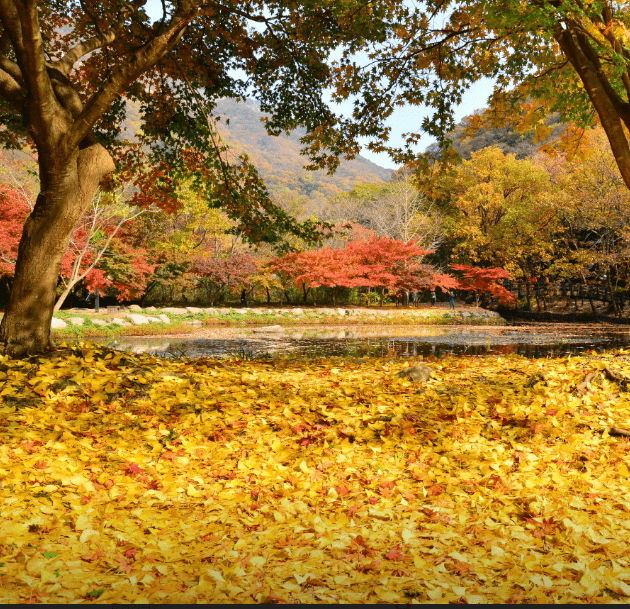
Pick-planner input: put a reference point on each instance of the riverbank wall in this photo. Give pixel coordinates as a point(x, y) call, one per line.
point(134, 321)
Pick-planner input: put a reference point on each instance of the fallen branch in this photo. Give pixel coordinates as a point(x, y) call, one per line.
point(615, 431)
point(582, 388)
point(620, 380)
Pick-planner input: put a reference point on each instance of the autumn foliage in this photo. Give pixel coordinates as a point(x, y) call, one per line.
point(133, 479)
point(484, 281)
point(14, 210)
point(376, 262)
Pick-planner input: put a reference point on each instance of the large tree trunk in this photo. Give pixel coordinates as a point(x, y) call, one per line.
point(66, 193)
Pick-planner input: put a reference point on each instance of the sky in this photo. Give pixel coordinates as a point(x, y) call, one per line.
point(403, 119)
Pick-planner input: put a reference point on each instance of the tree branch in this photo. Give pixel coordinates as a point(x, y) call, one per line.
point(66, 63)
point(140, 60)
point(11, 91)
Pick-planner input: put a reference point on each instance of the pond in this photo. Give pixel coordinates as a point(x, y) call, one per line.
point(543, 340)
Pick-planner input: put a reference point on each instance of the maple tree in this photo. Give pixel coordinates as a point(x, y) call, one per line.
point(372, 262)
point(68, 69)
point(13, 212)
point(484, 281)
point(92, 240)
point(220, 276)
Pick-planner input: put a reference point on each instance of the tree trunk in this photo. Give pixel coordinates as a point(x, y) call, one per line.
point(66, 193)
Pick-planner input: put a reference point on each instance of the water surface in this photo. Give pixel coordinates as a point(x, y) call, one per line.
point(544, 340)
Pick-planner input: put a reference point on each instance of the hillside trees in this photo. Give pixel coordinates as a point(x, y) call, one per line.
point(68, 67)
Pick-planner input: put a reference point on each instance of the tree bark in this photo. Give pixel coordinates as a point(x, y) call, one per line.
point(66, 193)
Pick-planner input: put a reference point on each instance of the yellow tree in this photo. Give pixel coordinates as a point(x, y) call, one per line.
point(593, 240)
point(500, 212)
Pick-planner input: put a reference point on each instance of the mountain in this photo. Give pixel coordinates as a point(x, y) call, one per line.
point(278, 159)
point(511, 142)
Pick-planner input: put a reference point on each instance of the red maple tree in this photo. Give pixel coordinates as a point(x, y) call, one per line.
point(14, 209)
point(484, 281)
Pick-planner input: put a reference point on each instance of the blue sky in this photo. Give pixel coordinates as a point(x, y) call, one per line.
point(404, 119)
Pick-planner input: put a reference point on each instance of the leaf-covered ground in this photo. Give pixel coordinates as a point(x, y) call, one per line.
point(133, 479)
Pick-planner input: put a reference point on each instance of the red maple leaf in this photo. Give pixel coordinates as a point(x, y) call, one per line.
point(123, 565)
point(134, 469)
point(395, 554)
point(92, 557)
point(435, 490)
point(130, 553)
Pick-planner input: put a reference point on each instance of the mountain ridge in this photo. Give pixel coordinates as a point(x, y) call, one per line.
point(278, 158)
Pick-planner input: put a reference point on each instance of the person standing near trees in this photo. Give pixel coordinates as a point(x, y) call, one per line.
point(451, 299)
point(433, 297)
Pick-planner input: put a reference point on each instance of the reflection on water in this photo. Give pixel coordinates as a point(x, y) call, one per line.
point(390, 342)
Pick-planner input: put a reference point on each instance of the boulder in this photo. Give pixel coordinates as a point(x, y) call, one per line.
point(100, 322)
point(417, 374)
point(194, 310)
point(155, 320)
point(341, 311)
point(57, 324)
point(76, 321)
point(137, 320)
point(135, 308)
point(211, 311)
point(164, 318)
point(225, 311)
point(151, 309)
point(175, 310)
point(119, 321)
point(297, 311)
point(269, 329)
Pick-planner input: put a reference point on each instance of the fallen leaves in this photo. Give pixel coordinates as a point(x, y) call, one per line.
point(154, 481)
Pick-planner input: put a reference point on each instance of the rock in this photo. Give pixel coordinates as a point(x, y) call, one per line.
point(164, 318)
point(297, 311)
point(57, 324)
point(119, 321)
point(135, 308)
point(100, 322)
point(211, 311)
point(464, 314)
point(150, 309)
point(269, 329)
point(175, 310)
point(225, 311)
point(341, 311)
point(155, 320)
point(417, 374)
point(194, 310)
point(76, 321)
point(138, 320)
